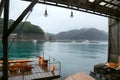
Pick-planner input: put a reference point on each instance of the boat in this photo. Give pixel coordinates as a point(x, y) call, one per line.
point(93, 42)
point(34, 41)
point(86, 41)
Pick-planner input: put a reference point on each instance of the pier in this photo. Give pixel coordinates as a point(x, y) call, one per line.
point(33, 70)
point(106, 8)
point(36, 74)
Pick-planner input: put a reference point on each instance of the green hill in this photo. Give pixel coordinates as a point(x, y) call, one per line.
point(25, 30)
point(82, 34)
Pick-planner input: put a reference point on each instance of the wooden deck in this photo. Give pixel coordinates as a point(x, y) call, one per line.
point(79, 76)
point(37, 73)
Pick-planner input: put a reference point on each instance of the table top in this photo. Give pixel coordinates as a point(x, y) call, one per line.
point(17, 61)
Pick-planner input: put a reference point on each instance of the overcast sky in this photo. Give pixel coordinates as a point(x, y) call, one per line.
point(58, 18)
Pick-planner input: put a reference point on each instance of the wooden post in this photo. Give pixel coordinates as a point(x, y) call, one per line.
point(60, 68)
point(7, 32)
point(109, 42)
point(49, 63)
point(1, 6)
point(43, 54)
point(5, 41)
point(118, 36)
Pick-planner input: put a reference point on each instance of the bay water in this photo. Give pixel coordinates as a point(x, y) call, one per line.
point(74, 57)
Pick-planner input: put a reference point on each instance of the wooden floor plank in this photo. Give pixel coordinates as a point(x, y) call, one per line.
point(36, 73)
point(79, 76)
point(27, 77)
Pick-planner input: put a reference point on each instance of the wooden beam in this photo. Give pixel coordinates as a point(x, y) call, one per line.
point(112, 4)
point(118, 38)
point(5, 40)
point(101, 9)
point(97, 8)
point(19, 19)
point(1, 6)
point(96, 2)
point(109, 12)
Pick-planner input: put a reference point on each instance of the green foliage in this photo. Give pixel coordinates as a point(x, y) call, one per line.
point(82, 34)
point(23, 28)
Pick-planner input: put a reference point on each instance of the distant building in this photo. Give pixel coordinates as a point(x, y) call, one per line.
point(13, 36)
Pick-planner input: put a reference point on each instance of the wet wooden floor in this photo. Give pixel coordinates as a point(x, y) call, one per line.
point(37, 73)
point(79, 76)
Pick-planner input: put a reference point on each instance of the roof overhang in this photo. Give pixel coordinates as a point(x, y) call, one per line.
point(107, 8)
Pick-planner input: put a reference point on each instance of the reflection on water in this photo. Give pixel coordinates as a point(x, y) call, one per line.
point(23, 49)
point(75, 57)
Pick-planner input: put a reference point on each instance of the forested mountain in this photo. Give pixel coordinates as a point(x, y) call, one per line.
point(82, 34)
point(25, 30)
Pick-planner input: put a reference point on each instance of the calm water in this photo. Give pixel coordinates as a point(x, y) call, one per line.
point(75, 57)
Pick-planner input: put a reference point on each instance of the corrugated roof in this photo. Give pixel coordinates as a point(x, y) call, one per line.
point(107, 8)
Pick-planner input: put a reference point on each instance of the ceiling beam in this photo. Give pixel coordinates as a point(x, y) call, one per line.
point(87, 6)
point(101, 9)
point(97, 8)
point(97, 1)
point(112, 4)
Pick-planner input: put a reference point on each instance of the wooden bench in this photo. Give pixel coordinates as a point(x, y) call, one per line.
point(79, 76)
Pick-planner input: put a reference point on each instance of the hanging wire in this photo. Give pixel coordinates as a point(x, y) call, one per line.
point(20, 29)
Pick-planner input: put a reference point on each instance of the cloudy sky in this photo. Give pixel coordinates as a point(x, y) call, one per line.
point(58, 18)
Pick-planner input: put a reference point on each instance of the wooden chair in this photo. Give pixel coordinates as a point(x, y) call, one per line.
point(13, 68)
point(39, 60)
point(1, 66)
point(25, 67)
point(23, 63)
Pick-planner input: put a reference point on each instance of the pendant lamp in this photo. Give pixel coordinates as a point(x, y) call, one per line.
point(46, 14)
point(71, 15)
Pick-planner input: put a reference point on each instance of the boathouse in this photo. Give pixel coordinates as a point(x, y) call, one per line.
point(105, 8)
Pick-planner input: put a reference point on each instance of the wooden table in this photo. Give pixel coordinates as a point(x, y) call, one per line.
point(16, 61)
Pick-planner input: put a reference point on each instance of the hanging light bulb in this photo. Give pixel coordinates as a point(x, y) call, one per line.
point(46, 14)
point(91, 0)
point(71, 15)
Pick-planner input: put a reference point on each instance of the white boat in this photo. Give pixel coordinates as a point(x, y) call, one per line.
point(34, 41)
point(86, 41)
